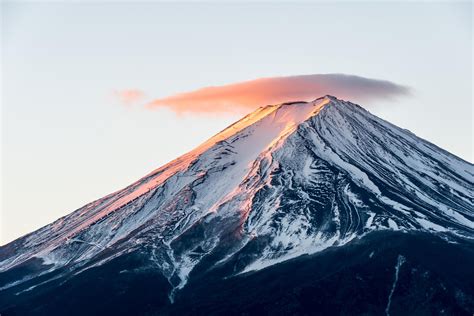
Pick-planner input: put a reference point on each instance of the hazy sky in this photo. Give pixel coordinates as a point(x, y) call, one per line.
point(67, 139)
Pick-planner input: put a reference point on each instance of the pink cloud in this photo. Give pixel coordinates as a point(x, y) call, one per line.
point(129, 97)
point(247, 95)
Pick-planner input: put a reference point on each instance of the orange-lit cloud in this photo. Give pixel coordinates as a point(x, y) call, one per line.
point(247, 95)
point(129, 97)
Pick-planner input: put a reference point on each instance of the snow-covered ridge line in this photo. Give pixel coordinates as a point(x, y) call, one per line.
point(101, 209)
point(286, 180)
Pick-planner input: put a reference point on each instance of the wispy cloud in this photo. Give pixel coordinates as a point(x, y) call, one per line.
point(129, 97)
point(247, 95)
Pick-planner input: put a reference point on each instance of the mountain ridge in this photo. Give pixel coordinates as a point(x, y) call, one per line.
point(285, 181)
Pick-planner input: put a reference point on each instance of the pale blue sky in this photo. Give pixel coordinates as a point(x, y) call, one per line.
point(66, 141)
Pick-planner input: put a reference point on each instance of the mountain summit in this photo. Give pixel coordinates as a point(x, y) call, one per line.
point(323, 189)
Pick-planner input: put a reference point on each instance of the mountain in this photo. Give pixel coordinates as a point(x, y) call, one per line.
point(299, 208)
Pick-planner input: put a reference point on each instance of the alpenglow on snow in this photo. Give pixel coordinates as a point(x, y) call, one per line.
point(284, 181)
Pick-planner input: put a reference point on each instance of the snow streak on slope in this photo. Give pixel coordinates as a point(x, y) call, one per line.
point(284, 181)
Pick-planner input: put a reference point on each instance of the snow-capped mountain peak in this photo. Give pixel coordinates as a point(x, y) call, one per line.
point(285, 180)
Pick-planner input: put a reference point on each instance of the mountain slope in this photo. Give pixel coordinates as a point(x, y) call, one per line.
point(285, 181)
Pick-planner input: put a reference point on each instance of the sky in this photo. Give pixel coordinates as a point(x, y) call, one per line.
point(81, 83)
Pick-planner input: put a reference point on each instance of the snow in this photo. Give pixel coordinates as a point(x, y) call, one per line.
point(293, 178)
point(430, 225)
point(400, 261)
point(459, 218)
point(392, 224)
point(370, 220)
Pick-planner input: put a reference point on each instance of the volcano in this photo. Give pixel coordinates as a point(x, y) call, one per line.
point(301, 208)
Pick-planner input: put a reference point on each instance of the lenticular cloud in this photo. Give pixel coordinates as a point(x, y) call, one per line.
point(247, 95)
